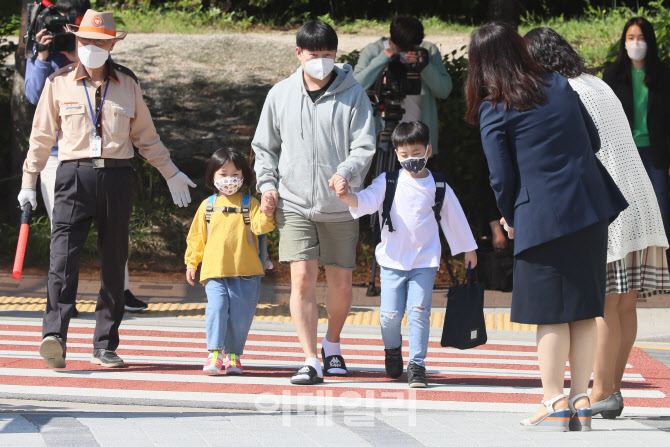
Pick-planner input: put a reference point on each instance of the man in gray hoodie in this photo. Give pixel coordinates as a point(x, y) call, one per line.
point(316, 133)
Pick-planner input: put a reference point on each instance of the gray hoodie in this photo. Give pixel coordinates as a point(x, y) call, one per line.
point(300, 144)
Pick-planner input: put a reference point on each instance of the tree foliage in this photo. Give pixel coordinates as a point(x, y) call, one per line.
point(289, 12)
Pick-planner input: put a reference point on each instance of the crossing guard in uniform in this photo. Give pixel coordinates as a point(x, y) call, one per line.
point(96, 112)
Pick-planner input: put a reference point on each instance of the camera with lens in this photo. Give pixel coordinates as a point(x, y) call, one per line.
point(44, 15)
point(396, 81)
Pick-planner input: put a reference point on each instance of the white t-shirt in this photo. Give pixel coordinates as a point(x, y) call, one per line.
point(415, 243)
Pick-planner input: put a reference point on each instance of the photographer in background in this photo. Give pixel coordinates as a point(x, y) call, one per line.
point(406, 34)
point(38, 69)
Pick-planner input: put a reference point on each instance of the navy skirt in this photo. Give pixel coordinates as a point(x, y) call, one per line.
point(563, 280)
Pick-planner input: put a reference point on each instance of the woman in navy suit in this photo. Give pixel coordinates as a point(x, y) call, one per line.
point(556, 199)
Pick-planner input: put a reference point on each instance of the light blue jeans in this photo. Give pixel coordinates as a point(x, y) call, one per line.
point(413, 290)
point(231, 304)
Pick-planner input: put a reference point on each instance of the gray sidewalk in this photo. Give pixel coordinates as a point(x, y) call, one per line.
point(32, 424)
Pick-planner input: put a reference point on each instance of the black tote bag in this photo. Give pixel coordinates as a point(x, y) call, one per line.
point(464, 325)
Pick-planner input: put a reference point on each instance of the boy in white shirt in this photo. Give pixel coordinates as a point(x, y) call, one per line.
point(409, 251)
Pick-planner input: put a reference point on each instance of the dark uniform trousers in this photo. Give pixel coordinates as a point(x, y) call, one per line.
point(83, 195)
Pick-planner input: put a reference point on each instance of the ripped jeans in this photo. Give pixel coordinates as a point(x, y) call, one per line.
point(413, 290)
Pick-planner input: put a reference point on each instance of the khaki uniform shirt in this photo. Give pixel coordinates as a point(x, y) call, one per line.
point(63, 114)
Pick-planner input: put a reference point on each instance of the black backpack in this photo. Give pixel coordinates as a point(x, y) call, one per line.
point(392, 182)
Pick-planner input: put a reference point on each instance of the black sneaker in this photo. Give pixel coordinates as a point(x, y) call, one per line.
point(52, 350)
point(106, 358)
point(131, 303)
point(416, 376)
point(393, 362)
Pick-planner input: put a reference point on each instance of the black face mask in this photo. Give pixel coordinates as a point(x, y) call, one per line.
point(414, 165)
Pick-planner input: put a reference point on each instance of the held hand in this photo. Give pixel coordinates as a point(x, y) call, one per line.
point(178, 185)
point(471, 259)
point(45, 39)
point(28, 195)
point(190, 276)
point(510, 230)
point(269, 202)
point(338, 184)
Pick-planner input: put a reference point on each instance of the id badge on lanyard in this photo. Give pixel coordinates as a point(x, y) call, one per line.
point(94, 146)
point(95, 141)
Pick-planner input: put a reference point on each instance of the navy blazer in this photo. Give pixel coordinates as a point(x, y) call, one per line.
point(546, 178)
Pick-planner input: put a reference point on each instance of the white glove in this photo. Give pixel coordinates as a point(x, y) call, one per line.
point(28, 195)
point(178, 185)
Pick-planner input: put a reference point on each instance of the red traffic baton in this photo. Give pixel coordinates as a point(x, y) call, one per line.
point(23, 240)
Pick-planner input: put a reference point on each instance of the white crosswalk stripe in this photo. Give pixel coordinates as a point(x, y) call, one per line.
point(165, 368)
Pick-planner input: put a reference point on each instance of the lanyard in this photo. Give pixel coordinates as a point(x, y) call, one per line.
point(94, 118)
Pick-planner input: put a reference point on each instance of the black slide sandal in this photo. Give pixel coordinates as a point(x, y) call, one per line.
point(333, 361)
point(313, 376)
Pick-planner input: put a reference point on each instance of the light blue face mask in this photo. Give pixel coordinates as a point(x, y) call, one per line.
point(414, 165)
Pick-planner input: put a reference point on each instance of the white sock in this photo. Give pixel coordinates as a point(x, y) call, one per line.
point(330, 348)
point(316, 364)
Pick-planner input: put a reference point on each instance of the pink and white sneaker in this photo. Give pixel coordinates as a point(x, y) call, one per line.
point(214, 363)
point(233, 365)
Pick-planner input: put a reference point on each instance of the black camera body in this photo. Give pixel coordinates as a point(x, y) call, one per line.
point(41, 17)
point(396, 81)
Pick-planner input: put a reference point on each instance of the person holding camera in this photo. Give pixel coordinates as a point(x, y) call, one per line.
point(315, 132)
point(406, 43)
point(51, 57)
point(96, 112)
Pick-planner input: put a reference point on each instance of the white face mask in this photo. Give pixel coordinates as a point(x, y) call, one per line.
point(92, 56)
point(319, 68)
point(228, 185)
point(636, 49)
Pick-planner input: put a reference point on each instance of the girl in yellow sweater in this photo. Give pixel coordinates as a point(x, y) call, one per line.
point(228, 249)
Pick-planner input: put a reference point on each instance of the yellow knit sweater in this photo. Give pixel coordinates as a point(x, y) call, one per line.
point(227, 251)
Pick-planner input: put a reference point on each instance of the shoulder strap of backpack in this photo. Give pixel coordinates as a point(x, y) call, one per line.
point(391, 184)
point(440, 190)
point(246, 206)
point(209, 208)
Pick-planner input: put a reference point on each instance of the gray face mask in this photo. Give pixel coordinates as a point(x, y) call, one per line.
point(414, 165)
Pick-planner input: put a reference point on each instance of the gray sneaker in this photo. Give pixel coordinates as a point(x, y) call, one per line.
point(52, 350)
point(106, 358)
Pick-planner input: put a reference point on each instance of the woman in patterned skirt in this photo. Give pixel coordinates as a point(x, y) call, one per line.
point(636, 262)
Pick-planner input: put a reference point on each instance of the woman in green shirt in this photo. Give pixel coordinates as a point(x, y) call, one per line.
point(642, 84)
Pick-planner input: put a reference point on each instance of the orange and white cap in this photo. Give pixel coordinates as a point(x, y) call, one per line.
point(97, 25)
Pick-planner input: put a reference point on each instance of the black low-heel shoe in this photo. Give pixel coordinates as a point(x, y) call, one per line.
point(607, 408)
point(619, 399)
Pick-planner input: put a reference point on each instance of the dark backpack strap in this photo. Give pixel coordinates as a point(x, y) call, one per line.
point(391, 184)
point(440, 190)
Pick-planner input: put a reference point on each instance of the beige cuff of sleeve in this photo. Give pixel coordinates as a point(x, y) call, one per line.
point(28, 181)
point(168, 171)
